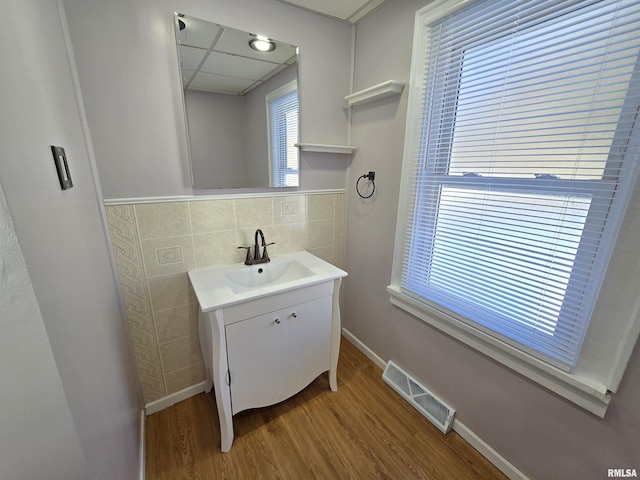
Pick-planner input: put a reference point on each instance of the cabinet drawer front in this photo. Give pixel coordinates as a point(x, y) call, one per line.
point(271, 303)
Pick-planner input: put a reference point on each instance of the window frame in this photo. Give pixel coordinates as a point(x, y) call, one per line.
point(598, 372)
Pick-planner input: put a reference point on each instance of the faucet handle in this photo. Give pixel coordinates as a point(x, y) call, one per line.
point(248, 260)
point(265, 255)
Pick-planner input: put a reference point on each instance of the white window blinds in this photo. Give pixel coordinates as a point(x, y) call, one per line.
point(283, 122)
point(526, 158)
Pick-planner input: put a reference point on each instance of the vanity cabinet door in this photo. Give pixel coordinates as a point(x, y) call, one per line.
point(308, 350)
point(273, 356)
point(254, 352)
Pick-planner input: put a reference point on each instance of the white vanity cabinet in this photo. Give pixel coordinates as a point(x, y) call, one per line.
point(265, 349)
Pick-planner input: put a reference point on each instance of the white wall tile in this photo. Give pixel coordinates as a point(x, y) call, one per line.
point(169, 291)
point(168, 255)
point(254, 212)
point(167, 219)
point(212, 215)
point(320, 207)
point(216, 248)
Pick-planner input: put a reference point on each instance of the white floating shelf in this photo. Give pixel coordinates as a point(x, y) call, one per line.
point(376, 92)
point(321, 148)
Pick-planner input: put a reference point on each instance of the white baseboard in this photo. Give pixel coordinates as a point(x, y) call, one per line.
point(474, 440)
point(141, 468)
point(165, 402)
point(373, 356)
point(488, 452)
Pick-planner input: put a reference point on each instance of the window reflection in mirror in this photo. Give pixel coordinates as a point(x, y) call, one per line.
point(282, 106)
point(241, 106)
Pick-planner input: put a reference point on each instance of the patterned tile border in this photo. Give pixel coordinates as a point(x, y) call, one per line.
point(128, 257)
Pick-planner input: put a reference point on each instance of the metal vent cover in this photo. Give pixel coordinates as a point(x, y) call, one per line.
point(427, 403)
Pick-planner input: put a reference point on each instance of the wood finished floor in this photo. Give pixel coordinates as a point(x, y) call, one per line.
point(362, 431)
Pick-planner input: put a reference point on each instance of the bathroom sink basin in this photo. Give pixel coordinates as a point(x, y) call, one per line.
point(221, 286)
point(256, 276)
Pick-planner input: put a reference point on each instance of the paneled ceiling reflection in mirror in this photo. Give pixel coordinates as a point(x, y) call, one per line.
point(241, 106)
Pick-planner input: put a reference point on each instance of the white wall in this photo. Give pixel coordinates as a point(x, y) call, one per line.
point(539, 433)
point(67, 257)
point(128, 69)
point(37, 437)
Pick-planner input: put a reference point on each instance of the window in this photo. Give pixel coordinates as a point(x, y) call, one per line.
point(521, 164)
point(282, 111)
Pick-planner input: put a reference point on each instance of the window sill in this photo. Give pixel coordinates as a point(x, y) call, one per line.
point(593, 397)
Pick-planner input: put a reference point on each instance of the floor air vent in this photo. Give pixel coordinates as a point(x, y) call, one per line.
point(439, 413)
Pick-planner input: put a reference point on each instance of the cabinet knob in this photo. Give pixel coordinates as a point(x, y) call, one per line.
point(294, 315)
point(277, 320)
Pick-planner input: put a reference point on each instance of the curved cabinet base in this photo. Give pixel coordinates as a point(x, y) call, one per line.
point(259, 360)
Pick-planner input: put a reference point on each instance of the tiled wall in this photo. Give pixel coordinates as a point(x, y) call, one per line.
point(155, 244)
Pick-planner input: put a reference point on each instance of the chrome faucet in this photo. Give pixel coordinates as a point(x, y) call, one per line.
point(257, 257)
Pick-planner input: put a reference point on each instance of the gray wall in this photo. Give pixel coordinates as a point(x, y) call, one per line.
point(257, 131)
point(128, 70)
point(216, 137)
point(63, 242)
point(541, 434)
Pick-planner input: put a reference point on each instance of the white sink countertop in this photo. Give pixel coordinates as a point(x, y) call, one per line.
point(226, 285)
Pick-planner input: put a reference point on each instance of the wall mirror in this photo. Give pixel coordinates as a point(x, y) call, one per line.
point(241, 102)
